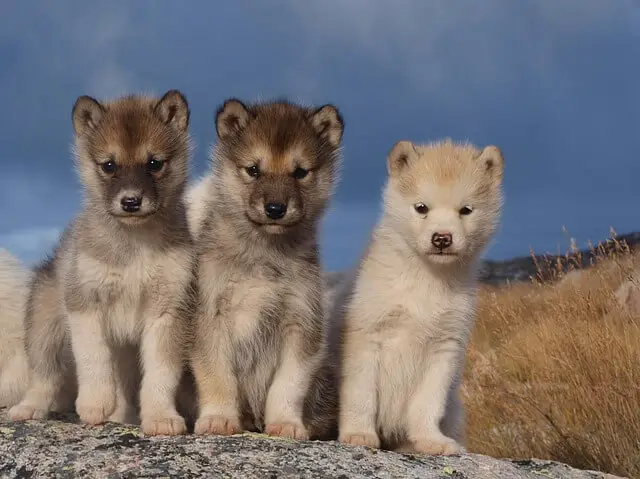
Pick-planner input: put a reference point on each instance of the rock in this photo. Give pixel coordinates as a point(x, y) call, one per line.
point(61, 448)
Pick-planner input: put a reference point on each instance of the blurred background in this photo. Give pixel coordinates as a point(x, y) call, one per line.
point(555, 84)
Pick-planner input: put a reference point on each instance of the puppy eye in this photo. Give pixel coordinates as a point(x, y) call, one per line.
point(109, 167)
point(421, 208)
point(465, 210)
point(253, 170)
point(300, 173)
point(154, 165)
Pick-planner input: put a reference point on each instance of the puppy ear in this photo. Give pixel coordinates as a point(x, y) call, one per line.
point(329, 124)
point(492, 162)
point(231, 118)
point(173, 109)
point(400, 156)
point(86, 114)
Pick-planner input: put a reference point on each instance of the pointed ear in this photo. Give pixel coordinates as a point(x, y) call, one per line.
point(400, 156)
point(492, 162)
point(173, 109)
point(231, 118)
point(329, 124)
point(86, 114)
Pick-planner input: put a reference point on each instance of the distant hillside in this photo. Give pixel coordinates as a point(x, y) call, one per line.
point(523, 268)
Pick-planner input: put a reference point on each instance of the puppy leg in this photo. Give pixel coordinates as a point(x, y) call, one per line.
point(127, 373)
point(13, 378)
point(45, 337)
point(216, 384)
point(300, 358)
point(358, 398)
point(96, 382)
point(163, 364)
point(453, 422)
point(428, 405)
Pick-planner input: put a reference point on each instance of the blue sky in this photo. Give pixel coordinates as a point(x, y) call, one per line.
point(555, 84)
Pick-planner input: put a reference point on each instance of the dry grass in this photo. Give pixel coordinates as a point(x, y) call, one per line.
point(554, 371)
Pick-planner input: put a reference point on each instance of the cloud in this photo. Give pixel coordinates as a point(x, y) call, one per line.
point(30, 245)
point(35, 208)
point(554, 84)
point(345, 231)
point(437, 46)
point(72, 40)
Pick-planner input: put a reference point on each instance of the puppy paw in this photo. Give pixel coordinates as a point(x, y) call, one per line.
point(92, 415)
point(25, 412)
point(95, 409)
point(361, 439)
point(437, 446)
point(219, 425)
point(164, 425)
point(287, 430)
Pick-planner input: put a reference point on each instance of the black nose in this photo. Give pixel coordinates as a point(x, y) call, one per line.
point(442, 240)
point(131, 204)
point(275, 211)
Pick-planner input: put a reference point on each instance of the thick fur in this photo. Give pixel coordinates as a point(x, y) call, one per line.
point(197, 197)
point(260, 357)
point(408, 311)
point(113, 295)
point(14, 367)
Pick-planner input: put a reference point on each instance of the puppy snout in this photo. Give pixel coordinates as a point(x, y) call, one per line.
point(275, 211)
point(442, 240)
point(131, 204)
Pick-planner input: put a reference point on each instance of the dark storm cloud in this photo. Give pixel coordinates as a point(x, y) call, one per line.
point(554, 84)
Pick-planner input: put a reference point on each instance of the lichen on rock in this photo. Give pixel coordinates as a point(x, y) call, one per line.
point(60, 447)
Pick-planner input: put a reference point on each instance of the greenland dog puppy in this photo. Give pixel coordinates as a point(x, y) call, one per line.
point(14, 368)
point(113, 293)
point(407, 317)
point(260, 337)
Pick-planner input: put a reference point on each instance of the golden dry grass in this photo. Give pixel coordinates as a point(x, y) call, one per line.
point(553, 371)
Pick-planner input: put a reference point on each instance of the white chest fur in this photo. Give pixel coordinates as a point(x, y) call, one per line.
point(405, 308)
point(119, 293)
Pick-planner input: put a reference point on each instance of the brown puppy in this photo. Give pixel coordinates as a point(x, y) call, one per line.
point(115, 287)
point(260, 346)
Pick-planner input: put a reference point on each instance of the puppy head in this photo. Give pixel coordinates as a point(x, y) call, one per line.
point(277, 163)
point(132, 153)
point(445, 198)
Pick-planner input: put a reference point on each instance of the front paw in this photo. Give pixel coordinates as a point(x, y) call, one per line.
point(25, 412)
point(369, 439)
point(169, 424)
point(287, 430)
point(436, 446)
point(219, 425)
point(95, 408)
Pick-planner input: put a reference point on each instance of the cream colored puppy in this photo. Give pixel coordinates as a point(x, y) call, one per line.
point(408, 314)
point(14, 289)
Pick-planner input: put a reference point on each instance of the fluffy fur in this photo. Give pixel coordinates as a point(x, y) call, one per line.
point(14, 368)
point(197, 197)
point(112, 295)
point(260, 346)
point(408, 310)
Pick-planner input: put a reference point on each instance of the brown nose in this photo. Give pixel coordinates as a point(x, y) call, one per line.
point(442, 240)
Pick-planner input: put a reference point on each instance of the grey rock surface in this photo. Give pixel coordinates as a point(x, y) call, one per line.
point(62, 448)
